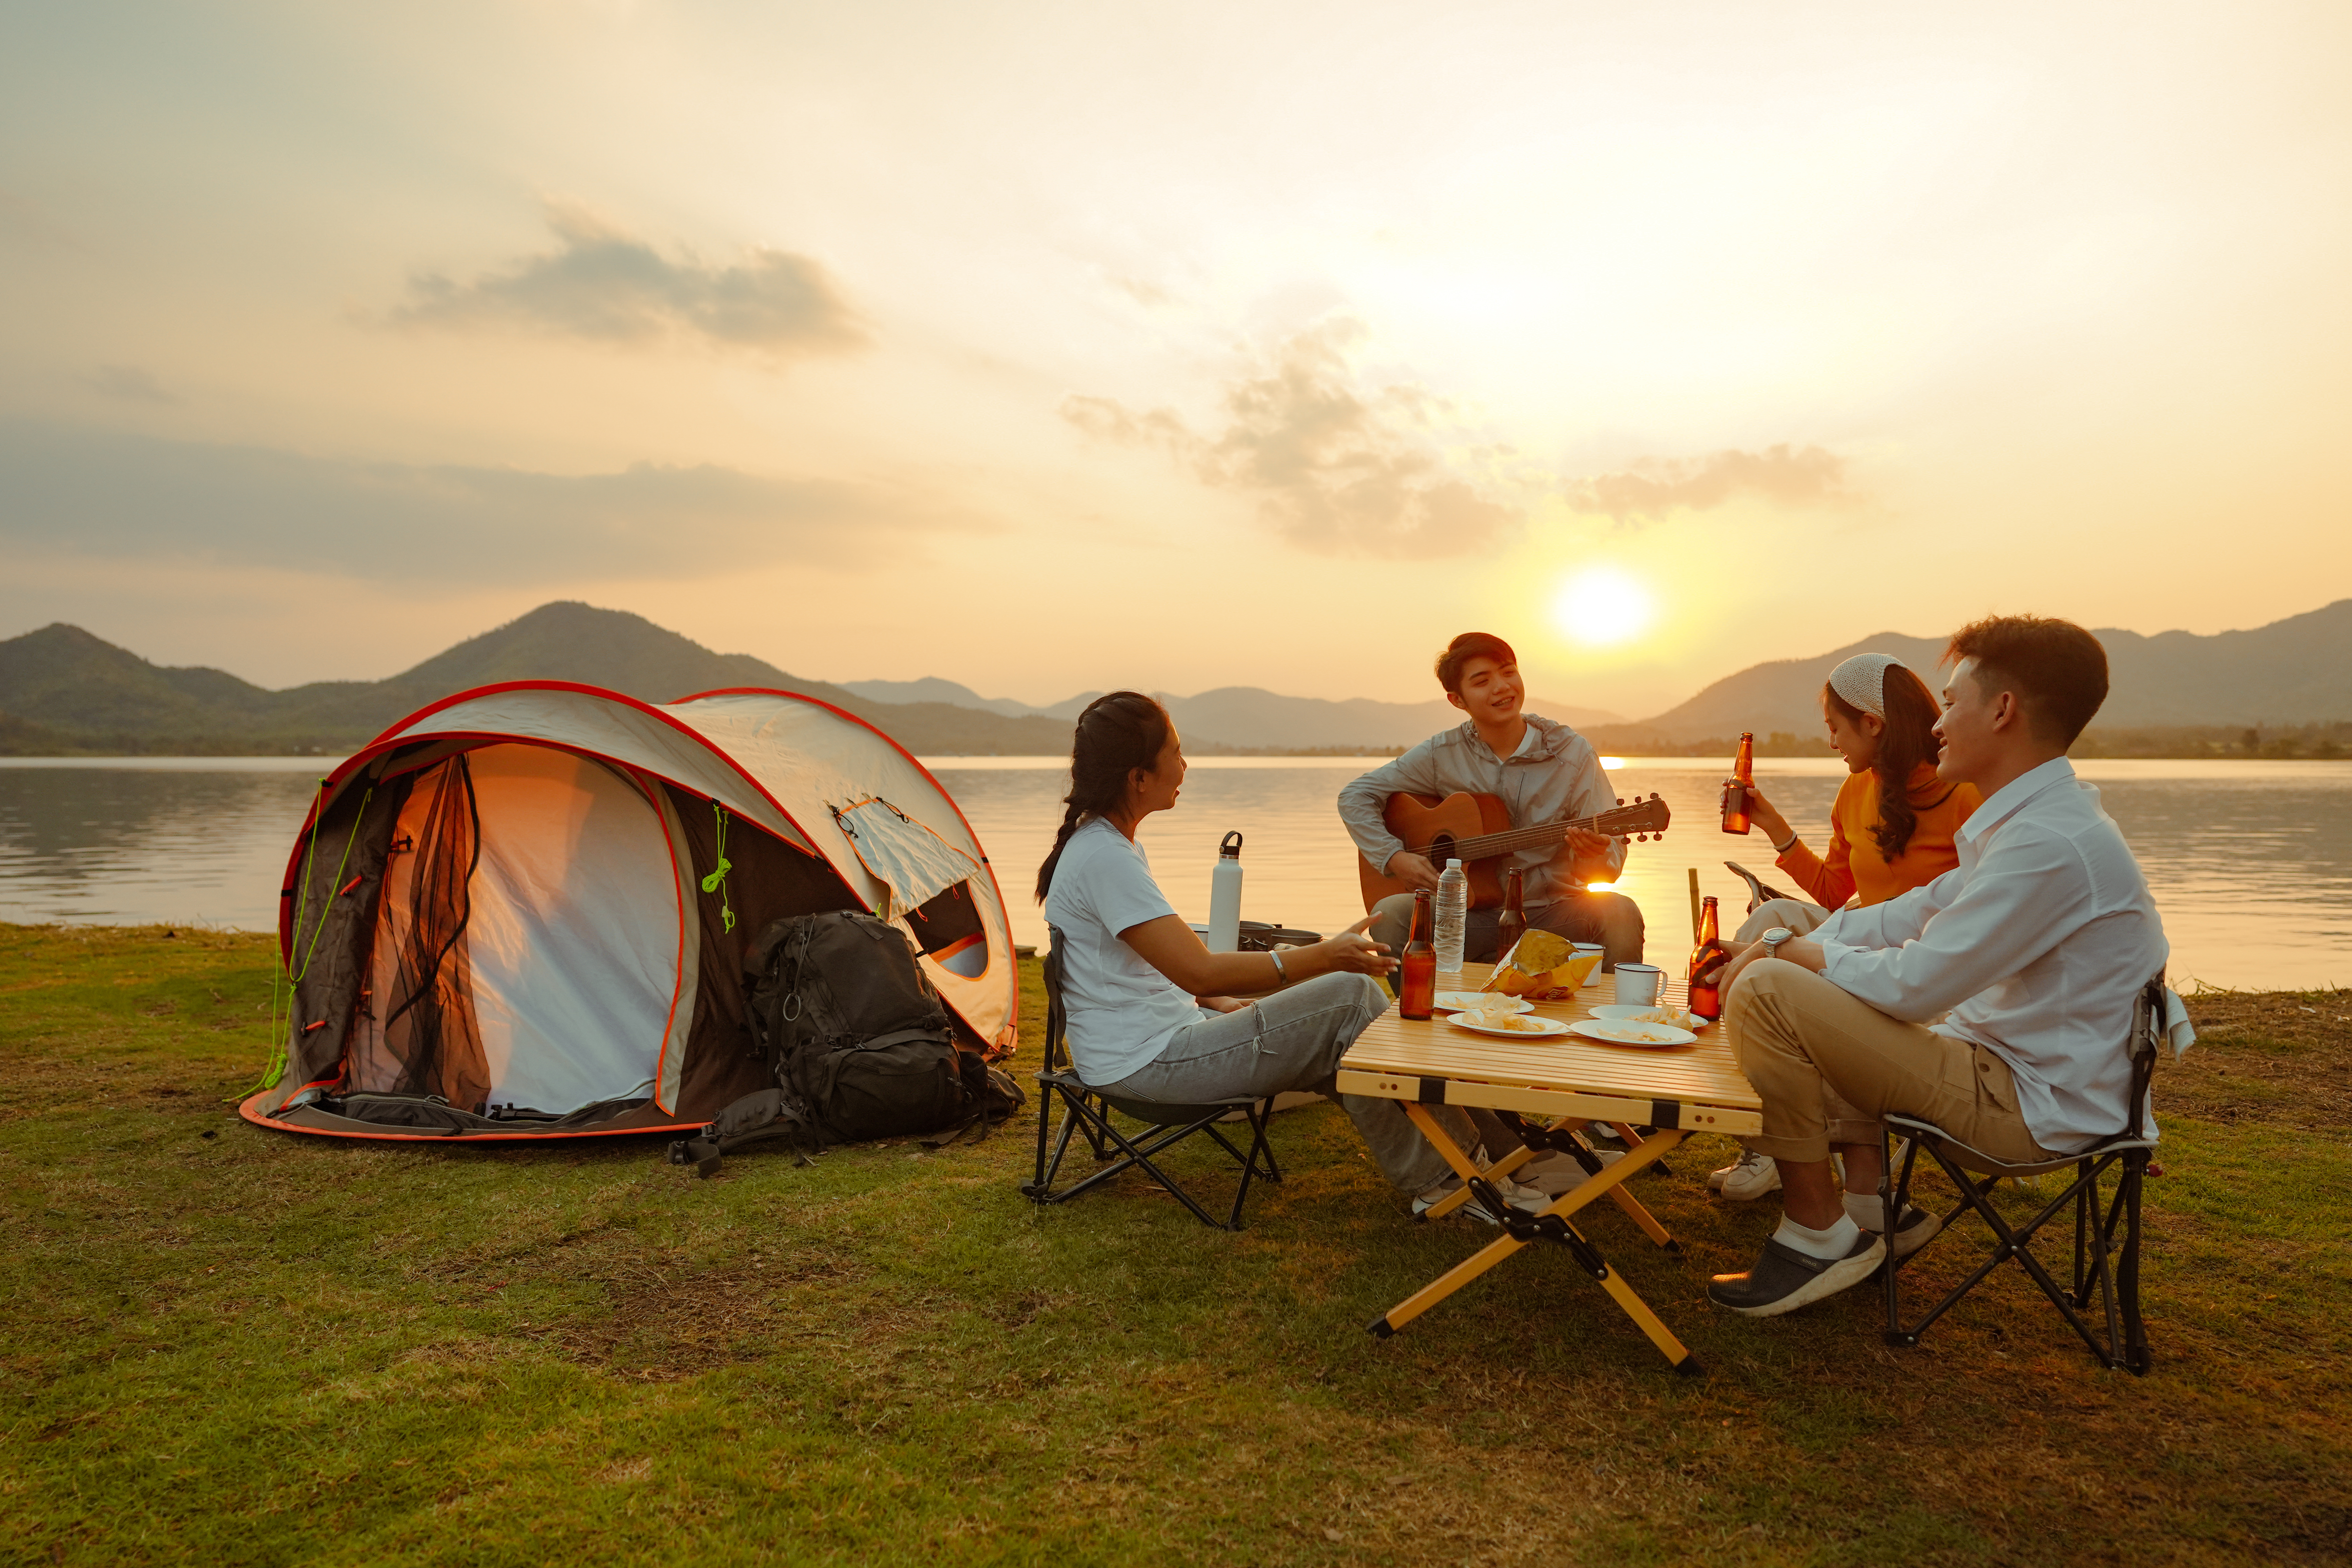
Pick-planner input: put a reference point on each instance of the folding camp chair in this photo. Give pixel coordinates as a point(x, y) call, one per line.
point(2099, 1262)
point(1089, 1111)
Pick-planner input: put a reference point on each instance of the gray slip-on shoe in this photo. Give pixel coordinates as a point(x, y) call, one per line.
point(1918, 1228)
point(1785, 1280)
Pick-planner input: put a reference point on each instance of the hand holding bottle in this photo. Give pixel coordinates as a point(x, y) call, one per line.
point(1766, 816)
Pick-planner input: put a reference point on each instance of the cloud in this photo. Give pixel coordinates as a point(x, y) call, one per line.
point(1336, 467)
point(609, 286)
point(82, 491)
point(130, 384)
point(1783, 475)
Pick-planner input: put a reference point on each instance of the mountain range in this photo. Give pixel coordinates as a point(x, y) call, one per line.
point(63, 691)
point(2293, 671)
point(1247, 716)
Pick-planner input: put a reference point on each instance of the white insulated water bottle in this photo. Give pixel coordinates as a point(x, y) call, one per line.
point(1452, 914)
point(1226, 897)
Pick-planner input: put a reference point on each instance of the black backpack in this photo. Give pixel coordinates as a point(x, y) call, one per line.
point(859, 1043)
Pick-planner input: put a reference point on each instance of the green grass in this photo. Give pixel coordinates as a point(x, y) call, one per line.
point(220, 1343)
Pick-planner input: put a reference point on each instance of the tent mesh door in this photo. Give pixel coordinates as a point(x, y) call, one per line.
point(430, 1030)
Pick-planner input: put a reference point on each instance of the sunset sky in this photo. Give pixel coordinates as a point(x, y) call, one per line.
point(1053, 347)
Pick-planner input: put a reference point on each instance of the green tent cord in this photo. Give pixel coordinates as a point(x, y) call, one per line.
point(278, 976)
point(717, 881)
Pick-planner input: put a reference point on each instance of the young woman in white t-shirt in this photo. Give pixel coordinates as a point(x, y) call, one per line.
point(1154, 1015)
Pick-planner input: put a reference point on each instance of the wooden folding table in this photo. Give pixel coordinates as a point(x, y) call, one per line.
point(1565, 1081)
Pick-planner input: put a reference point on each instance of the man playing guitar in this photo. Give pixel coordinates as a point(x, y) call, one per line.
point(1542, 772)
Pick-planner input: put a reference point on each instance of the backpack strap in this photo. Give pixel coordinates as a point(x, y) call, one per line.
point(761, 1115)
point(999, 1098)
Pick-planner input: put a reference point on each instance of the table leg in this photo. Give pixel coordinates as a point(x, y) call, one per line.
point(1640, 1153)
point(1462, 1164)
point(1609, 1181)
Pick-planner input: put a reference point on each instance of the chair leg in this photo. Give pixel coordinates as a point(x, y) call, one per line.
point(1041, 1189)
point(2018, 1244)
point(2082, 1240)
point(1258, 1114)
point(2136, 1356)
point(1894, 1191)
point(1045, 1123)
point(2093, 1255)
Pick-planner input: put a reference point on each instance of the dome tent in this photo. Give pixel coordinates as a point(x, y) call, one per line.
point(522, 911)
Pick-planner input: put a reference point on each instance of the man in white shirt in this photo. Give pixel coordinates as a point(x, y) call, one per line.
point(2035, 946)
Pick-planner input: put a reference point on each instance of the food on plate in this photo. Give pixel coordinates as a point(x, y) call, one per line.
point(1541, 962)
point(1675, 1016)
point(1503, 1018)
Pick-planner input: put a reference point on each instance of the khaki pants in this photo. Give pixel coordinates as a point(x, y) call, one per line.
point(1829, 1065)
point(1801, 918)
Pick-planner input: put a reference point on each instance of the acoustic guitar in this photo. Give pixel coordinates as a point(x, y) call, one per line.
point(1476, 830)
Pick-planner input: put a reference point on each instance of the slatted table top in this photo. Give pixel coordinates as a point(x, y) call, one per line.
point(1700, 1074)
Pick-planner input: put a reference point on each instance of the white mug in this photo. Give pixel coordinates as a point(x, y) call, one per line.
point(1638, 984)
point(1595, 952)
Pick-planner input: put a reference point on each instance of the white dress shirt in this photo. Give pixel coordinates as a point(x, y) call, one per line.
point(2037, 942)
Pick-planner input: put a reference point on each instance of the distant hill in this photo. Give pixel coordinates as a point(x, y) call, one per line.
point(2295, 671)
point(931, 688)
point(63, 689)
point(1249, 717)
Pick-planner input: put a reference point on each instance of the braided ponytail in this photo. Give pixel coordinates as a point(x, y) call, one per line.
point(1117, 734)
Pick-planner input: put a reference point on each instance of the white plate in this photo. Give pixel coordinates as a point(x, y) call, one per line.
point(1551, 1030)
point(1465, 1001)
point(1649, 1036)
point(1621, 1013)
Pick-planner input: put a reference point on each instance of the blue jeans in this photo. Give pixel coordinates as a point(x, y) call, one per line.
point(1293, 1039)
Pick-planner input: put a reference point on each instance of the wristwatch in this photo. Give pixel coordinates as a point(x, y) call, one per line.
point(1774, 937)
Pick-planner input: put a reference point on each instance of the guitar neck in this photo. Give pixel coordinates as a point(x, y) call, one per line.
point(1487, 845)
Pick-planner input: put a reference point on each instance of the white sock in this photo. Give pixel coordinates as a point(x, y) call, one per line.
point(1831, 1244)
point(1867, 1210)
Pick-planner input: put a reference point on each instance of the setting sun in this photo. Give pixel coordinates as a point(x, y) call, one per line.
point(1602, 605)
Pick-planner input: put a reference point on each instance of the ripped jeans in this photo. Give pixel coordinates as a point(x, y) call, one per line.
point(1293, 1039)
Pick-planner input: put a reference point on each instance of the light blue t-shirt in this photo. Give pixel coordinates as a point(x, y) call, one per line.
point(1121, 1010)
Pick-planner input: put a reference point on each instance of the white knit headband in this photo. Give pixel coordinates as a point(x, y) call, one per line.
point(1861, 681)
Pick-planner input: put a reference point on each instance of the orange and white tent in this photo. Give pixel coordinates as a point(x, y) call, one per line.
point(524, 910)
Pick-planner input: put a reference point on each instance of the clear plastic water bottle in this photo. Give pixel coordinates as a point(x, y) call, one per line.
point(1452, 913)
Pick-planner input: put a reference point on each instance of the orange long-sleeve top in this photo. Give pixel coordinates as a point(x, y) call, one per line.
point(1853, 864)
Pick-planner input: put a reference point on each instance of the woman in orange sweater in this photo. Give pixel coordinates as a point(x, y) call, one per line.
point(1890, 828)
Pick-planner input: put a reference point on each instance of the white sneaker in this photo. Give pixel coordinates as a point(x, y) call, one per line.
point(1527, 1199)
point(1748, 1178)
point(1551, 1173)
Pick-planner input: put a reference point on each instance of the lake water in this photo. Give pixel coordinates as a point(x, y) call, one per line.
point(2252, 861)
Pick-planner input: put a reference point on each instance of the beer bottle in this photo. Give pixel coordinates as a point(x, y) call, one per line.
point(1417, 972)
point(1706, 996)
point(1513, 923)
point(1734, 788)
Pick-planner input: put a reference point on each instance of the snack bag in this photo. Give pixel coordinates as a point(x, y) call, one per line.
point(1539, 961)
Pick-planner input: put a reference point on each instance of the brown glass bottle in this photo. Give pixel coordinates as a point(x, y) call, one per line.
point(1417, 970)
point(1512, 924)
point(1734, 788)
point(1706, 996)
